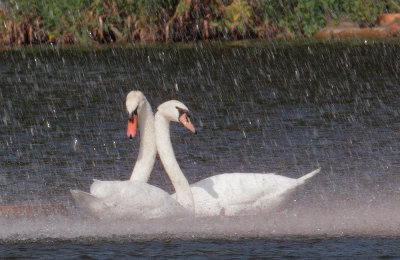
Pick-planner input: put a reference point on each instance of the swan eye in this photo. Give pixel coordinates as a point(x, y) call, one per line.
point(131, 115)
point(183, 111)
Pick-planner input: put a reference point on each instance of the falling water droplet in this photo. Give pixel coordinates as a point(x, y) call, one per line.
point(75, 144)
point(296, 72)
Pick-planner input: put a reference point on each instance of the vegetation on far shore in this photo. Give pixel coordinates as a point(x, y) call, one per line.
point(26, 22)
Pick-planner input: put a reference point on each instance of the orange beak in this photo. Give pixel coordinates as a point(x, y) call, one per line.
point(185, 121)
point(132, 126)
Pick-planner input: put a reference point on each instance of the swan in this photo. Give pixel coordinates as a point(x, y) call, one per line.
point(139, 113)
point(134, 197)
point(224, 194)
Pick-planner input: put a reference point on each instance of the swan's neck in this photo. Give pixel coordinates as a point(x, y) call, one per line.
point(183, 193)
point(148, 150)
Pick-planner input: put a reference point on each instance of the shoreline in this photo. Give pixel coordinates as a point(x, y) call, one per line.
point(191, 21)
point(328, 37)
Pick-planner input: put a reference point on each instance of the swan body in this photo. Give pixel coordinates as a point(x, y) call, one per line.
point(133, 198)
point(242, 193)
point(223, 194)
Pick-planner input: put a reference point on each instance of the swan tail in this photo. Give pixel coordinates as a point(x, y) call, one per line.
point(87, 202)
point(303, 178)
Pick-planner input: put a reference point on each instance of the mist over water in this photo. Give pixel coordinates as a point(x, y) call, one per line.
point(303, 220)
point(268, 108)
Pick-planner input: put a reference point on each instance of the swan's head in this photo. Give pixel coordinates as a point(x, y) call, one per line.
point(176, 111)
point(134, 102)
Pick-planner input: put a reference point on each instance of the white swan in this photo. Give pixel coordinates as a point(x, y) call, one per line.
point(223, 194)
point(136, 198)
point(139, 113)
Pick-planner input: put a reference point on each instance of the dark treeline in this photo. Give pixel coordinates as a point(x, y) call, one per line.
point(84, 21)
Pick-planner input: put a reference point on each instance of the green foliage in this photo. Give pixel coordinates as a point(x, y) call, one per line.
point(308, 16)
point(54, 13)
point(110, 20)
point(311, 15)
point(365, 10)
point(277, 11)
point(237, 15)
point(182, 7)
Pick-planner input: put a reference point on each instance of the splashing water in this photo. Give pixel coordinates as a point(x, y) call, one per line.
point(261, 109)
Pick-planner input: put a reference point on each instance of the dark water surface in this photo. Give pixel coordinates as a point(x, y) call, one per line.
point(266, 108)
